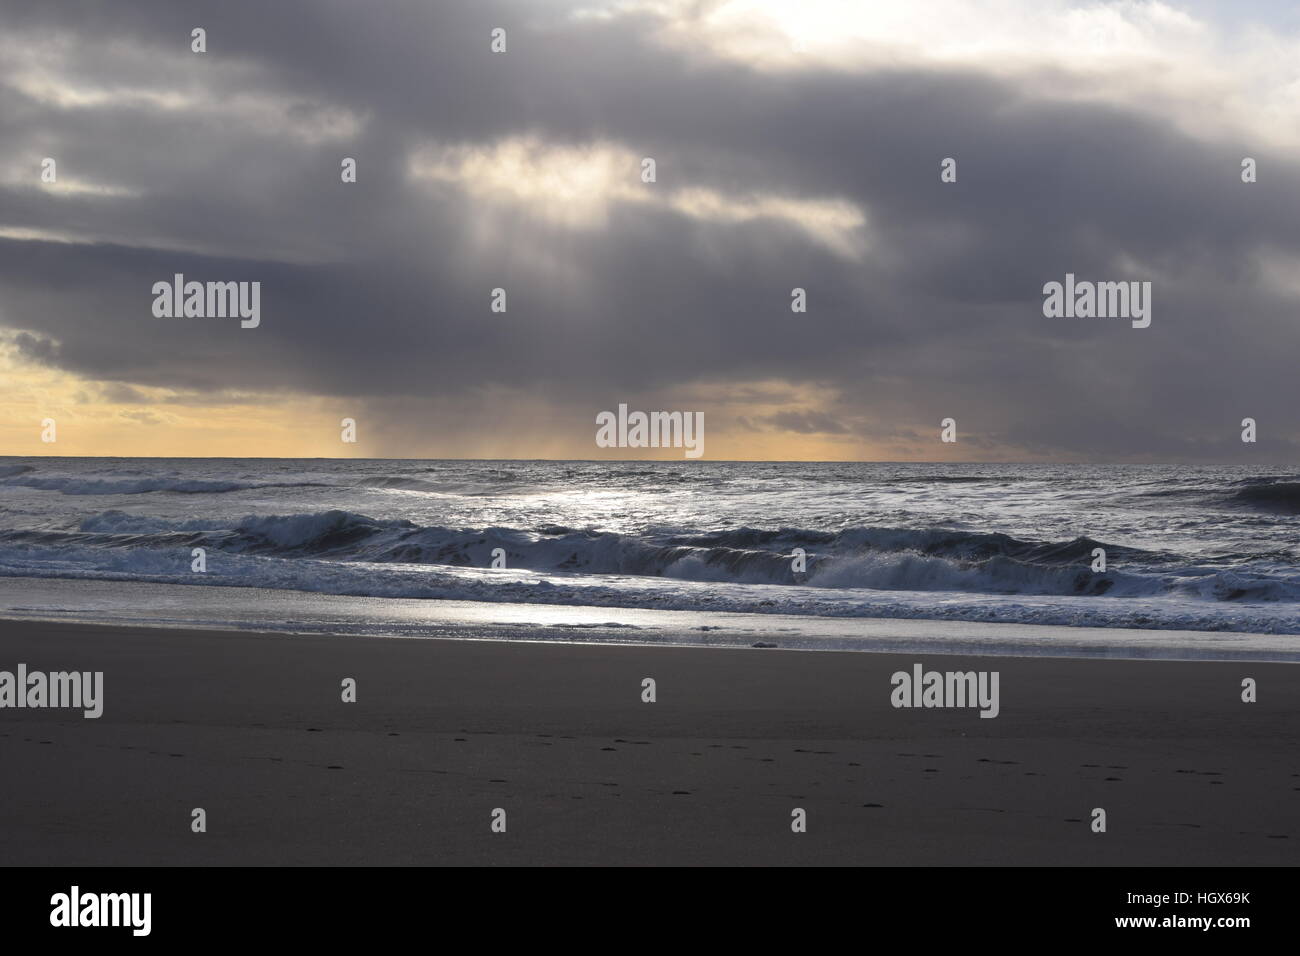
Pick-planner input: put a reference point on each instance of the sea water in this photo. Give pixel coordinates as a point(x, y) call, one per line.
point(1208, 548)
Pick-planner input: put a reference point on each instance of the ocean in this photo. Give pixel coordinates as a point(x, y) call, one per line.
point(1208, 548)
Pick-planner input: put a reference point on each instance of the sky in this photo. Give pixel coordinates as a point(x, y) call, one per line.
point(795, 145)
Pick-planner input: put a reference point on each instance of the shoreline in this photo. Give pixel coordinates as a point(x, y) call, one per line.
point(250, 610)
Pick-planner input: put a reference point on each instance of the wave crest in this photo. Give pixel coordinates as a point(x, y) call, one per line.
point(885, 559)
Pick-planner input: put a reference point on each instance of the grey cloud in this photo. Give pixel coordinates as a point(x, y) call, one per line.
point(378, 291)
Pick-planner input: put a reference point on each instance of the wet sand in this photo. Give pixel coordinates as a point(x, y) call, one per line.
point(251, 728)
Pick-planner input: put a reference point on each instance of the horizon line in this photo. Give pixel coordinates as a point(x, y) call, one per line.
point(715, 461)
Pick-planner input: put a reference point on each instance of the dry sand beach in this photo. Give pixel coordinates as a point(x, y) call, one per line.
point(251, 728)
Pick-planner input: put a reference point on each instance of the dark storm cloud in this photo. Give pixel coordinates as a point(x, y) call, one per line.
point(379, 291)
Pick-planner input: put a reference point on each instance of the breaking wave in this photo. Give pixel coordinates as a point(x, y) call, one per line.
point(883, 559)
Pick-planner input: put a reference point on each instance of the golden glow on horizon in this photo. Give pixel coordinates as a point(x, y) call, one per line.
point(91, 418)
point(109, 419)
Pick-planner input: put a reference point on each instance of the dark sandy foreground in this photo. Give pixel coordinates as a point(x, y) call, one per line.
point(252, 729)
